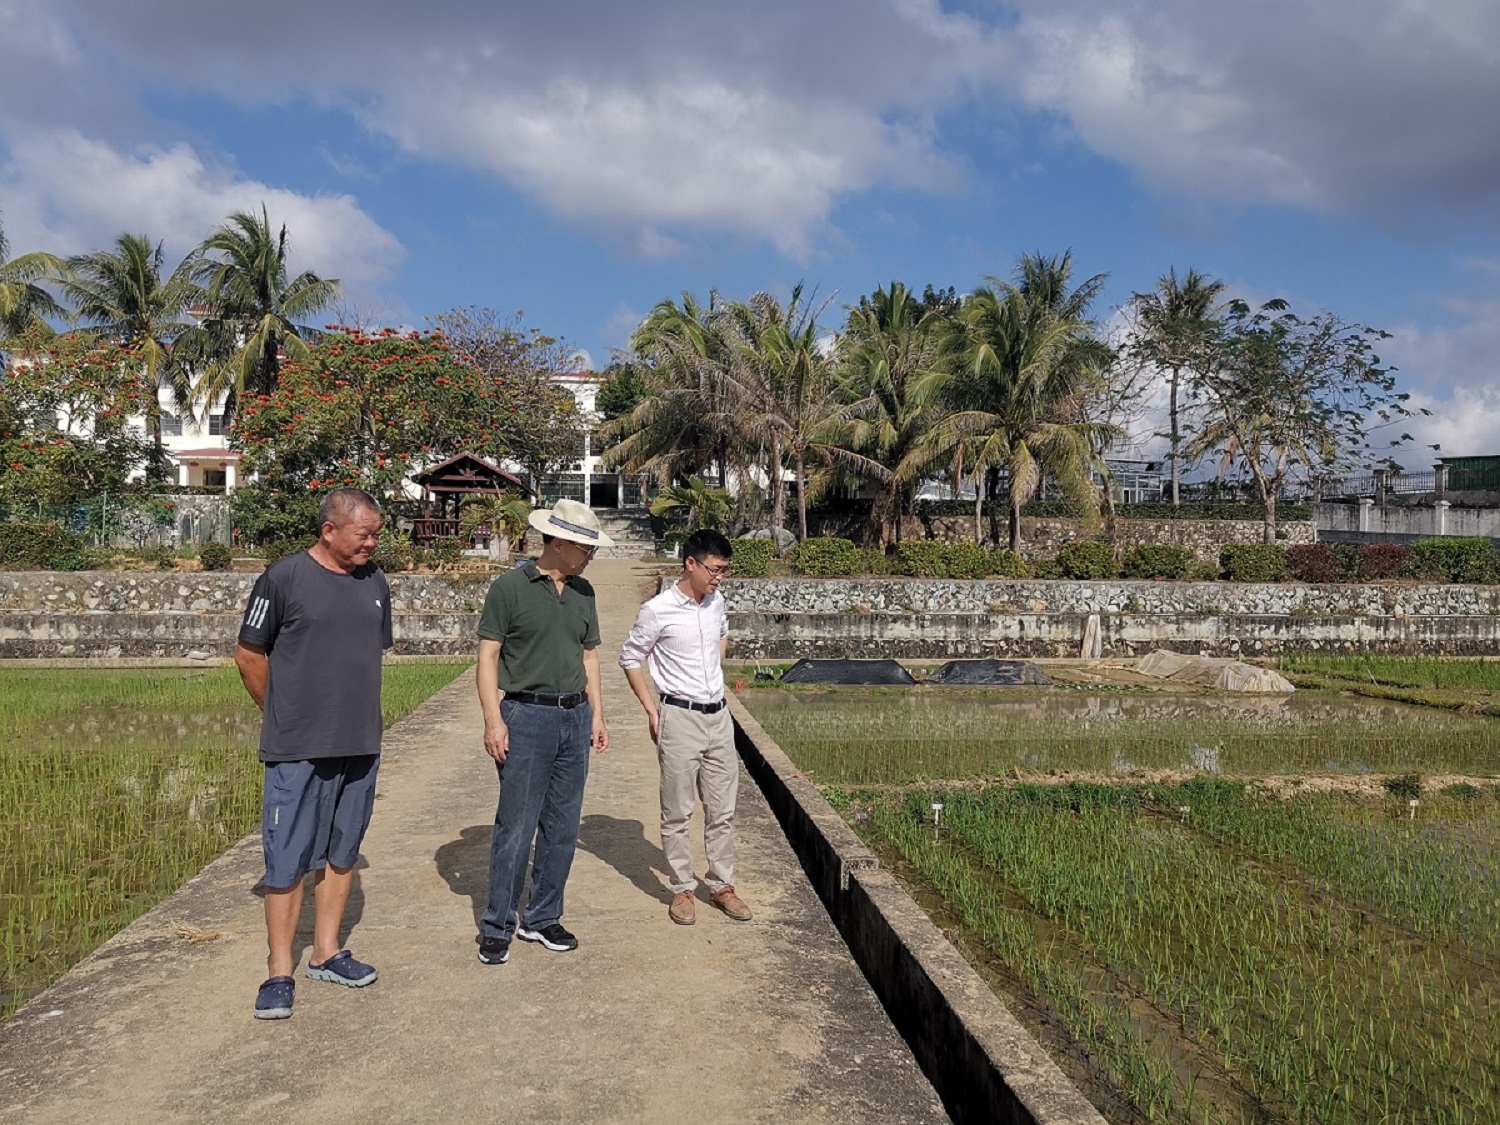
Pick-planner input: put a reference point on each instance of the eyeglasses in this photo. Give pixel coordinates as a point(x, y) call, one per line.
point(715, 571)
point(586, 548)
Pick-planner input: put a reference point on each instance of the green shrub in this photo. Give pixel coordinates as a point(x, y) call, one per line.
point(1005, 563)
point(280, 548)
point(1156, 560)
point(214, 556)
point(159, 555)
point(751, 558)
point(1456, 558)
point(1384, 560)
point(43, 546)
point(395, 552)
point(1201, 572)
point(79, 558)
point(1254, 562)
point(872, 561)
point(1407, 786)
point(264, 515)
point(1348, 556)
point(824, 558)
point(966, 560)
point(1315, 562)
point(921, 558)
point(1044, 568)
point(1086, 559)
point(444, 551)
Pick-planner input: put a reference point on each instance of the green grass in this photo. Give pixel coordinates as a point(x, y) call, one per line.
point(115, 787)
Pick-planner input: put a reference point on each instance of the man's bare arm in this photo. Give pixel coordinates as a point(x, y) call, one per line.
point(255, 670)
point(595, 691)
point(487, 679)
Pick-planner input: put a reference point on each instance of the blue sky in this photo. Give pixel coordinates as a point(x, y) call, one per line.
point(585, 159)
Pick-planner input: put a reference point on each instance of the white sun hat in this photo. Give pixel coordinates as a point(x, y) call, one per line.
point(568, 519)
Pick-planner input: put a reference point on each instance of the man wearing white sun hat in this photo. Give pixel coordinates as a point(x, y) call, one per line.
point(539, 689)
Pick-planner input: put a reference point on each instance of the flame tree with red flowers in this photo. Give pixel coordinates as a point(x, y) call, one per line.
point(370, 410)
point(66, 402)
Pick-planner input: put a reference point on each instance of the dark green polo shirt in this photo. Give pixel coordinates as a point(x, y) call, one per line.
point(542, 635)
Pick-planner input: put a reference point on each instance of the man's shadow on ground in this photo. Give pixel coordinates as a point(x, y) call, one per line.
point(464, 863)
point(302, 940)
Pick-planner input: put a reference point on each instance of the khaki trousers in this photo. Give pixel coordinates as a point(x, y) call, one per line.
point(697, 758)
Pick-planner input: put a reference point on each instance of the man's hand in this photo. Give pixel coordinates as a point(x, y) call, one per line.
point(599, 738)
point(653, 720)
point(496, 740)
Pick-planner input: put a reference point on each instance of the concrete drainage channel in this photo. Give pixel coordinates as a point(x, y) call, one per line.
point(983, 1064)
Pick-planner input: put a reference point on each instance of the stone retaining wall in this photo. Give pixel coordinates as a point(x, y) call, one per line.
point(782, 619)
point(211, 592)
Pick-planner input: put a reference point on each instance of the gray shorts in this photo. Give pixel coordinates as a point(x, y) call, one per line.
point(315, 812)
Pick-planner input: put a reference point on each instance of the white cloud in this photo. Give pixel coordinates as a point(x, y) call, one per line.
point(1376, 106)
point(71, 194)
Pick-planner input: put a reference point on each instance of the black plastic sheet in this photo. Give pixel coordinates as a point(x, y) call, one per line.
point(847, 672)
point(989, 672)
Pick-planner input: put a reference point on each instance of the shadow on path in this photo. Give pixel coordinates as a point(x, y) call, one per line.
point(623, 845)
point(464, 865)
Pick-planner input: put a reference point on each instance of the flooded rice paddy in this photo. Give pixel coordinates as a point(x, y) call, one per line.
point(1209, 909)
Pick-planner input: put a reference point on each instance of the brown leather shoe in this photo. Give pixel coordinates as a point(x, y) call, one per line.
point(684, 910)
point(731, 904)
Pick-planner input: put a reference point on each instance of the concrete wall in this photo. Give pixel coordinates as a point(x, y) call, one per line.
point(1369, 522)
point(982, 1062)
point(782, 619)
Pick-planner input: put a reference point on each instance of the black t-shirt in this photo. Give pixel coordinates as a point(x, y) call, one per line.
point(324, 632)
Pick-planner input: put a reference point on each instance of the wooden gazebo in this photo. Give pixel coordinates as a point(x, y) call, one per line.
point(447, 485)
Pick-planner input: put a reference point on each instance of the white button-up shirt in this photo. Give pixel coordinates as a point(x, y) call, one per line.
point(678, 641)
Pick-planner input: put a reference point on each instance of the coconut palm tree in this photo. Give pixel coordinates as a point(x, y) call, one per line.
point(504, 514)
point(253, 307)
point(122, 293)
point(678, 426)
point(25, 305)
point(1020, 397)
point(694, 504)
point(889, 362)
point(1177, 324)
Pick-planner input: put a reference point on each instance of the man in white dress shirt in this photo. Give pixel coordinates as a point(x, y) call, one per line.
point(681, 636)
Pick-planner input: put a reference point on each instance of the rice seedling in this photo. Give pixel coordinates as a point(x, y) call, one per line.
point(1211, 948)
point(1288, 999)
point(859, 737)
point(115, 787)
point(1470, 674)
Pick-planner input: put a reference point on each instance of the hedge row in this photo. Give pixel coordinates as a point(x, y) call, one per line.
point(1429, 560)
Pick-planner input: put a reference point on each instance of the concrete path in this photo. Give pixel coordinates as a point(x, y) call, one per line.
point(646, 1022)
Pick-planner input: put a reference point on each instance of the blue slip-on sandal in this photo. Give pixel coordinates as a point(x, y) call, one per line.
point(342, 968)
point(274, 1000)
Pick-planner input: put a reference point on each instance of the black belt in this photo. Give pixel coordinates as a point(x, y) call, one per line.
point(689, 705)
point(548, 699)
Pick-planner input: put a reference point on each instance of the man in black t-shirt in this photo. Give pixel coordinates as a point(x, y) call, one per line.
point(309, 654)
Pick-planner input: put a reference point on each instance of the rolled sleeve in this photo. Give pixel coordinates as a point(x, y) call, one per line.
point(642, 638)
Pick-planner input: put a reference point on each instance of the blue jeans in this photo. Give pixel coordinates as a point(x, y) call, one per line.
point(541, 798)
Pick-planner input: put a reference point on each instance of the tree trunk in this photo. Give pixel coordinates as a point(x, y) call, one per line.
point(778, 494)
point(1015, 527)
point(801, 497)
point(978, 507)
point(1269, 528)
point(1176, 438)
